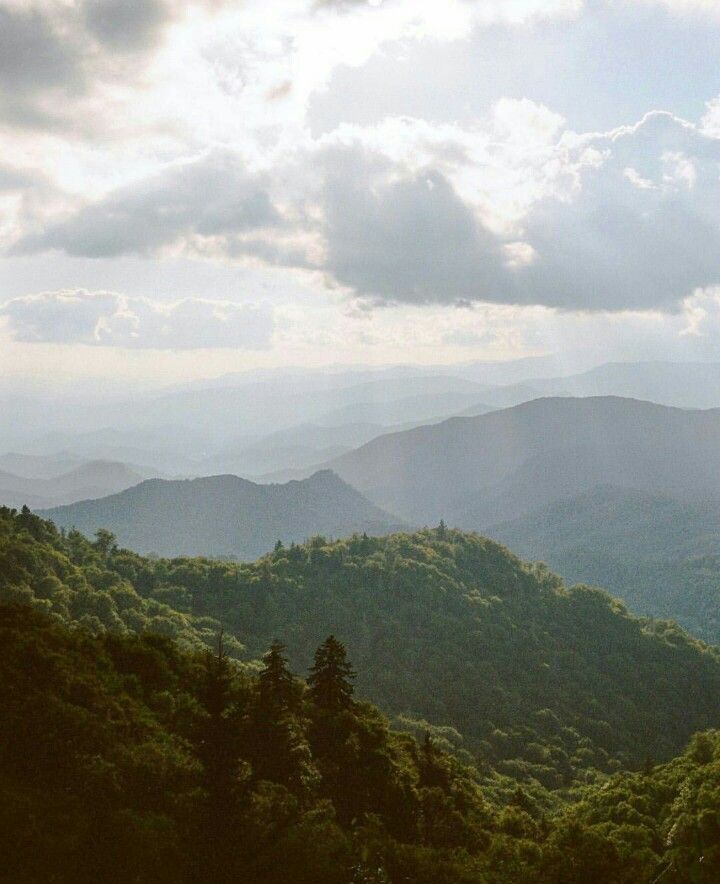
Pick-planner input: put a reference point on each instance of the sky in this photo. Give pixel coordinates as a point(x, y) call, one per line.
point(194, 188)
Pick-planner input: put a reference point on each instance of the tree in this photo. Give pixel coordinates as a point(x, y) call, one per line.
point(105, 542)
point(218, 750)
point(216, 744)
point(331, 676)
point(275, 739)
point(277, 690)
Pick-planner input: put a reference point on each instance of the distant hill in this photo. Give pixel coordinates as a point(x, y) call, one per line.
point(225, 516)
point(477, 471)
point(91, 479)
point(682, 384)
point(661, 555)
point(37, 466)
point(264, 407)
point(294, 449)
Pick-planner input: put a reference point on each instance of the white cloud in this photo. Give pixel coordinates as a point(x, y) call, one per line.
point(514, 210)
point(162, 128)
point(628, 219)
point(108, 319)
point(209, 197)
point(685, 7)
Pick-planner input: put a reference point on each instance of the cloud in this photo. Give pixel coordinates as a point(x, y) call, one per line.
point(126, 25)
point(108, 319)
point(55, 55)
point(32, 53)
point(514, 211)
point(210, 197)
point(685, 7)
point(631, 241)
point(34, 59)
point(629, 219)
point(402, 238)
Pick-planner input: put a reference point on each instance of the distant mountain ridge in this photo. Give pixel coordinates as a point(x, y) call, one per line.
point(622, 521)
point(226, 516)
point(679, 384)
point(477, 471)
point(92, 479)
point(659, 554)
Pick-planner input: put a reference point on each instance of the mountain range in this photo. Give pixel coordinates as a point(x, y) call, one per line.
point(229, 424)
point(92, 479)
point(478, 471)
point(225, 516)
point(682, 384)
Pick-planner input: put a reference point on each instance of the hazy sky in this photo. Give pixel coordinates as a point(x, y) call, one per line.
point(189, 188)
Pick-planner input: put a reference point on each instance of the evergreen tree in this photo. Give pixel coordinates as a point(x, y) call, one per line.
point(331, 676)
point(216, 743)
point(277, 690)
point(276, 740)
point(218, 750)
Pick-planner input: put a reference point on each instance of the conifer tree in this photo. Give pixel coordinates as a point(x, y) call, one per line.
point(331, 676)
point(276, 743)
point(277, 691)
point(217, 749)
point(216, 743)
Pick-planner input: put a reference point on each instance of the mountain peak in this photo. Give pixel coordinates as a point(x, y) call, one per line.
point(225, 515)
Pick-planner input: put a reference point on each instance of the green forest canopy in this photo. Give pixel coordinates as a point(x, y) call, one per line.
point(535, 681)
point(125, 759)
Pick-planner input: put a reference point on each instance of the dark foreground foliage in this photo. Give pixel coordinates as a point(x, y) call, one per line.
point(138, 744)
point(125, 759)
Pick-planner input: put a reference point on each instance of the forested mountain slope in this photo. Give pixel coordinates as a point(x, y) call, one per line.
point(659, 554)
point(452, 628)
point(225, 515)
point(541, 681)
point(477, 471)
point(71, 579)
point(125, 760)
point(124, 757)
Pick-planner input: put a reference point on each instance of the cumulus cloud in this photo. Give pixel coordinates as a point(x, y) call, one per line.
point(34, 58)
point(55, 55)
point(108, 319)
point(511, 208)
point(408, 238)
point(642, 240)
point(587, 235)
point(628, 219)
point(209, 197)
